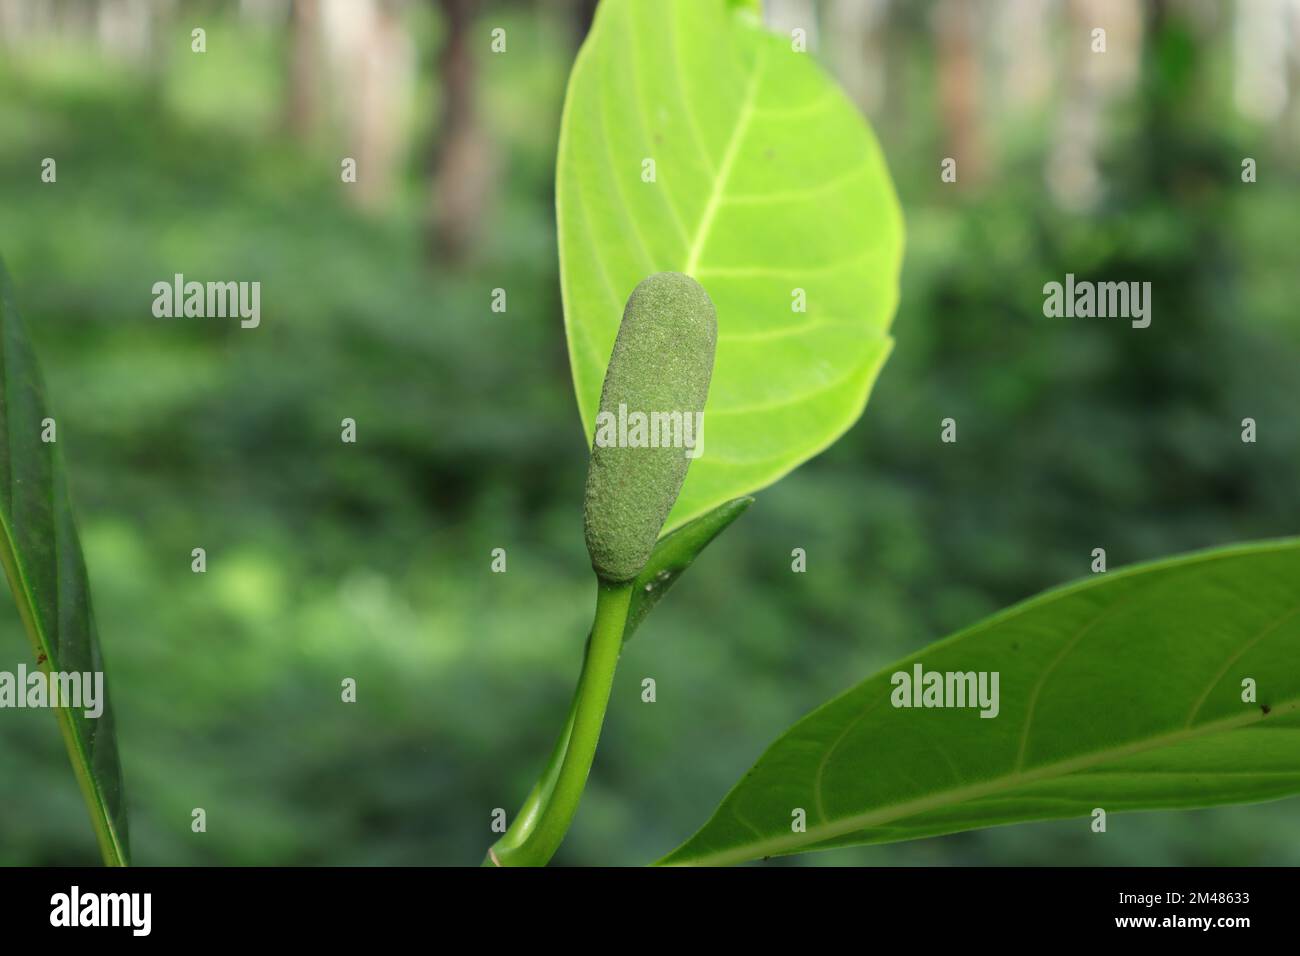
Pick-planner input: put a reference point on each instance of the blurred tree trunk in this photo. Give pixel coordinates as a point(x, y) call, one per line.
point(462, 155)
point(123, 28)
point(1024, 56)
point(302, 105)
point(856, 45)
point(1092, 80)
point(1261, 85)
point(957, 24)
point(368, 67)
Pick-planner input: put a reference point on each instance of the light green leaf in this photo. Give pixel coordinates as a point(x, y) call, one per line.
point(1122, 692)
point(42, 559)
point(766, 181)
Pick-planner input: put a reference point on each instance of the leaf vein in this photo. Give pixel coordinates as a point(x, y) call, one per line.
point(720, 182)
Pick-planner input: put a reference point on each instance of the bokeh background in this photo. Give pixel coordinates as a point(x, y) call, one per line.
point(372, 560)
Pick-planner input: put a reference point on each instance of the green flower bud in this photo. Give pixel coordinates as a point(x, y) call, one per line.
point(651, 420)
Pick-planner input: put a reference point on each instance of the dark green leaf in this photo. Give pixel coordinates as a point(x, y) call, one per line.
point(47, 575)
point(1121, 692)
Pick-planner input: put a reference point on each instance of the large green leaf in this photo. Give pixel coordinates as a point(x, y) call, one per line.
point(766, 181)
point(1123, 692)
point(47, 574)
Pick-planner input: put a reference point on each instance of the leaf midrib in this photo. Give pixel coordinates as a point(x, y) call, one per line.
point(720, 182)
point(819, 833)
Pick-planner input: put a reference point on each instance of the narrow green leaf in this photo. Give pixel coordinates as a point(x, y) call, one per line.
point(767, 187)
point(673, 555)
point(1121, 692)
point(42, 560)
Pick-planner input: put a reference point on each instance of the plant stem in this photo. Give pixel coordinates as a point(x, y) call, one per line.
point(545, 817)
point(526, 819)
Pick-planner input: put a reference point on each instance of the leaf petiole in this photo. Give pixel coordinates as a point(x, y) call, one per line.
point(546, 814)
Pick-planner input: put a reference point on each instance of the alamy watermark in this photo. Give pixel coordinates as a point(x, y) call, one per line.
point(75, 689)
point(923, 688)
point(212, 300)
point(133, 911)
point(1104, 300)
point(626, 429)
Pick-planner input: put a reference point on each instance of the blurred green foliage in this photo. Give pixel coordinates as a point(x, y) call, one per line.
point(371, 561)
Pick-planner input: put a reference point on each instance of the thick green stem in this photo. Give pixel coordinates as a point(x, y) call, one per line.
point(545, 817)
